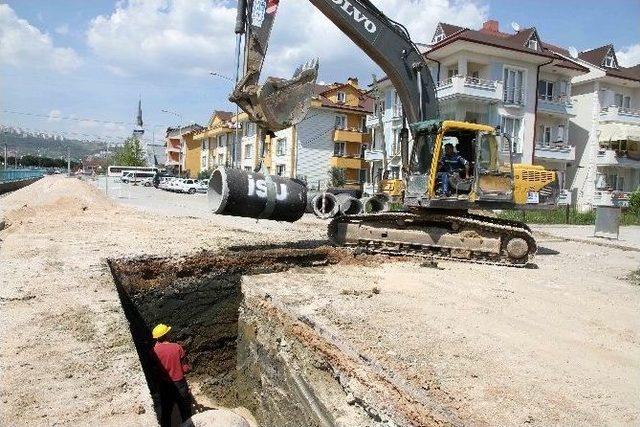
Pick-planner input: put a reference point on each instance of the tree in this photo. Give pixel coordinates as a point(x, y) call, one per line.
point(337, 177)
point(131, 153)
point(634, 202)
point(205, 174)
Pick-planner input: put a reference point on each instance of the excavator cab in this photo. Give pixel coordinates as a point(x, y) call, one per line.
point(488, 160)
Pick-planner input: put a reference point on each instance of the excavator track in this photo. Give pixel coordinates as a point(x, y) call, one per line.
point(455, 235)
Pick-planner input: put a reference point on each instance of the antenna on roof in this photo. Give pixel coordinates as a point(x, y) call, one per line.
point(515, 26)
point(573, 52)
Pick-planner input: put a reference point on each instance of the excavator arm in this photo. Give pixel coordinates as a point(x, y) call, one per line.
point(281, 103)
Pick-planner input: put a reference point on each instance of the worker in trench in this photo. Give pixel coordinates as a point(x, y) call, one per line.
point(171, 364)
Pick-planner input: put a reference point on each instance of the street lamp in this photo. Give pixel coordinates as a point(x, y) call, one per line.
point(180, 133)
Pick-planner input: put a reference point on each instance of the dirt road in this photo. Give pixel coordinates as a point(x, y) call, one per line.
point(556, 345)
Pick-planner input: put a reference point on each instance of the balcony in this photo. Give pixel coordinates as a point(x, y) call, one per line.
point(351, 135)
point(348, 162)
point(471, 88)
point(555, 151)
point(620, 158)
point(617, 114)
point(173, 148)
point(557, 106)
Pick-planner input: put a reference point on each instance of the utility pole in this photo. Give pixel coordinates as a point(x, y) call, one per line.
point(5, 155)
point(68, 161)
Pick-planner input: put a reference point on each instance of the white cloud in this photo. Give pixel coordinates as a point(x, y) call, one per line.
point(23, 45)
point(62, 29)
point(54, 116)
point(629, 56)
point(192, 37)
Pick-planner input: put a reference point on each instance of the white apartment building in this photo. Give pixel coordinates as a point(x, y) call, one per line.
point(606, 126)
point(509, 79)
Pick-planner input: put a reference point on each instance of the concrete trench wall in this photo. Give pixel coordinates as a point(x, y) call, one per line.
point(240, 356)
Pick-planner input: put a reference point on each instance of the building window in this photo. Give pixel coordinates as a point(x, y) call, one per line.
point(511, 127)
point(248, 151)
point(363, 175)
point(204, 145)
point(560, 134)
point(626, 102)
point(247, 168)
point(281, 170)
point(395, 172)
point(339, 149)
point(452, 72)
point(394, 142)
point(341, 122)
point(609, 60)
point(363, 124)
point(545, 90)
point(533, 44)
point(220, 159)
point(618, 99)
point(545, 134)
point(281, 147)
point(513, 86)
point(342, 97)
point(378, 108)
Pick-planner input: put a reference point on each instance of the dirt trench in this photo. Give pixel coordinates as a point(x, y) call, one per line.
point(246, 353)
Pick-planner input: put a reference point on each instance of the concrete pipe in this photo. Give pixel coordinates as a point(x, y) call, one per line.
point(325, 206)
point(348, 205)
point(373, 205)
point(238, 193)
point(311, 195)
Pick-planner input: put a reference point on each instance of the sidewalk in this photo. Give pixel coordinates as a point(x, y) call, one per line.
point(629, 235)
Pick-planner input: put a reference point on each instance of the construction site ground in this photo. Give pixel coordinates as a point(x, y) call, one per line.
point(559, 344)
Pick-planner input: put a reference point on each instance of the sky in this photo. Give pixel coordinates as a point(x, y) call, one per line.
point(78, 67)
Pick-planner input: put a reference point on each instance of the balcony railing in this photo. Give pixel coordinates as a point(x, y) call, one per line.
point(560, 105)
point(351, 135)
point(611, 198)
point(348, 162)
point(555, 151)
point(469, 87)
point(613, 157)
point(614, 113)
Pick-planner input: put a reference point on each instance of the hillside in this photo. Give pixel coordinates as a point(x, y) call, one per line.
point(47, 145)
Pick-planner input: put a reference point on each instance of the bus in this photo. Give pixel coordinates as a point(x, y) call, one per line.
point(116, 171)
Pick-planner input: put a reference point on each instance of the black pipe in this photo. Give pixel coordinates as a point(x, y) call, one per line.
point(238, 193)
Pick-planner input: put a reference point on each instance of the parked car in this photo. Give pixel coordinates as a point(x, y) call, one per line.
point(147, 182)
point(189, 186)
point(175, 184)
point(203, 186)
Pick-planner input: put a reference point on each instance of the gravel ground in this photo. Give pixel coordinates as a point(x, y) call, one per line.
point(500, 346)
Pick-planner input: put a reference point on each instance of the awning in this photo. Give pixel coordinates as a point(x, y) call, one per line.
point(618, 132)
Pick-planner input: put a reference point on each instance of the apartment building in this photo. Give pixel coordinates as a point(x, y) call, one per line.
point(606, 126)
point(509, 79)
point(217, 141)
point(249, 148)
point(182, 151)
point(332, 134)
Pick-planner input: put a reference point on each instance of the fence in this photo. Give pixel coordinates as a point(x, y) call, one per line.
point(8, 175)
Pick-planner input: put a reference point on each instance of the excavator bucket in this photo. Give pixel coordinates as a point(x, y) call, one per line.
point(284, 103)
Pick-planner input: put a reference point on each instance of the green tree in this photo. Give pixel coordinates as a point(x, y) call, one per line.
point(634, 202)
point(131, 153)
point(205, 174)
point(337, 177)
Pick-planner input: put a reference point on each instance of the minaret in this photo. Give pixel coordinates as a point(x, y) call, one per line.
point(139, 130)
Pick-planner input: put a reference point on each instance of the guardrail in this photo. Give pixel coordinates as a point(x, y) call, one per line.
point(8, 175)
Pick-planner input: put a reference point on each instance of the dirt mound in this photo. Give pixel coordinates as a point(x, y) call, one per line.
point(54, 194)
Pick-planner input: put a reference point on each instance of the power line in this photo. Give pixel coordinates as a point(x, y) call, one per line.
point(77, 119)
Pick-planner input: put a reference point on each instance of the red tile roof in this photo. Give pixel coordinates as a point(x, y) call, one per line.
point(596, 57)
point(516, 42)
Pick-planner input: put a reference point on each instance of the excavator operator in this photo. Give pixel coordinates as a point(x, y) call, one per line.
point(451, 164)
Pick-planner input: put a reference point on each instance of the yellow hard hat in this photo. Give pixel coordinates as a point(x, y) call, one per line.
point(160, 330)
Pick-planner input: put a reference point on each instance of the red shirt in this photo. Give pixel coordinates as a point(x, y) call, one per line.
point(170, 355)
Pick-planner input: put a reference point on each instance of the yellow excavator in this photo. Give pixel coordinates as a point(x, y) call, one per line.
point(433, 221)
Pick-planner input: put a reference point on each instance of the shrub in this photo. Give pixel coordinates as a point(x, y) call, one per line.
point(634, 202)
